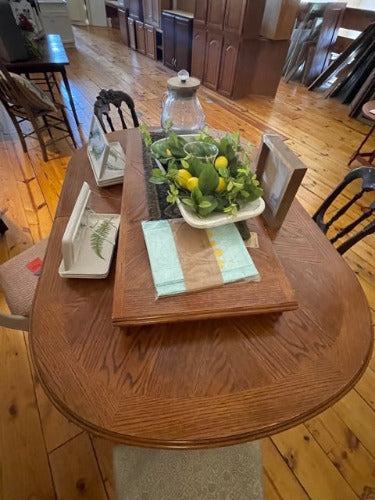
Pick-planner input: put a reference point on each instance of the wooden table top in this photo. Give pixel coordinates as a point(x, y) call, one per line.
point(205, 383)
point(53, 54)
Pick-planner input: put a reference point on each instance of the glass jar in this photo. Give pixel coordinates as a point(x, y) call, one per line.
point(181, 105)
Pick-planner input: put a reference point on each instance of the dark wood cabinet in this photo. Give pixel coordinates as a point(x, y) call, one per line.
point(168, 39)
point(131, 30)
point(198, 53)
point(177, 41)
point(234, 16)
point(136, 9)
point(200, 13)
point(140, 37)
point(152, 11)
point(150, 41)
point(228, 66)
point(212, 60)
point(123, 23)
point(215, 14)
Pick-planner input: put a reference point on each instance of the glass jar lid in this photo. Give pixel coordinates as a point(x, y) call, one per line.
point(183, 82)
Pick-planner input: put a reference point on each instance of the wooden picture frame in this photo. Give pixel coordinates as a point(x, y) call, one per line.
point(280, 173)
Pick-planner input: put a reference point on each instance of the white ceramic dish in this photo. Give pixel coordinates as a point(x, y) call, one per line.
point(250, 210)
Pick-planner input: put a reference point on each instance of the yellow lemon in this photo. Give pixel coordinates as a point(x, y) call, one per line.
point(169, 152)
point(221, 162)
point(192, 183)
point(222, 185)
point(182, 177)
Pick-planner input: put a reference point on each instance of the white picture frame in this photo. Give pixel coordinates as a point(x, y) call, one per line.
point(97, 148)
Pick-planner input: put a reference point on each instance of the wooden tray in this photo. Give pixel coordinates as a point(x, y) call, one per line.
point(135, 302)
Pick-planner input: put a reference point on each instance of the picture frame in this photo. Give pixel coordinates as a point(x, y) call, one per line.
point(280, 173)
point(97, 148)
point(107, 159)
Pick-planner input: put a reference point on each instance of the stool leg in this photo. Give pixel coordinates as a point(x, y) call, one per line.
point(360, 147)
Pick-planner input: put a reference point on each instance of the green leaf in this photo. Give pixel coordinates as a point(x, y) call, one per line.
point(205, 204)
point(197, 195)
point(185, 164)
point(99, 235)
point(188, 201)
point(208, 179)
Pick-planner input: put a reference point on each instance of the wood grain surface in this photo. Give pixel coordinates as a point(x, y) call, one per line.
point(204, 383)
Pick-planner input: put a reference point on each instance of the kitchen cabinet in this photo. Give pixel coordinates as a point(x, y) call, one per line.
point(136, 9)
point(228, 65)
point(140, 37)
point(215, 14)
point(177, 40)
point(198, 53)
point(150, 40)
point(212, 60)
point(123, 23)
point(131, 30)
point(55, 18)
point(229, 55)
point(152, 11)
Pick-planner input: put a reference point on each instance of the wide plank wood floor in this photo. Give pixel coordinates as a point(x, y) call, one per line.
point(42, 455)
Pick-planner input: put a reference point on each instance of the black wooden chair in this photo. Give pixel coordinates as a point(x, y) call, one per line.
point(24, 101)
point(367, 175)
point(116, 98)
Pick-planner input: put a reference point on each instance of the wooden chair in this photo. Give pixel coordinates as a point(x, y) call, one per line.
point(18, 284)
point(43, 114)
point(116, 98)
point(366, 157)
point(367, 175)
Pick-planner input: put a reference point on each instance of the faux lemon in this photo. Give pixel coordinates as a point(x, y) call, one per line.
point(222, 185)
point(192, 183)
point(169, 152)
point(182, 177)
point(221, 162)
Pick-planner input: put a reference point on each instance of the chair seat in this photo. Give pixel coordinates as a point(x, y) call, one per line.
point(18, 282)
point(213, 474)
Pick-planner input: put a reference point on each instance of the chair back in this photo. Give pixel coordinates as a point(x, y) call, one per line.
point(367, 175)
point(10, 92)
point(116, 98)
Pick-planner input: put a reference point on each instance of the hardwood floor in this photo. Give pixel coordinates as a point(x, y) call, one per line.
point(42, 455)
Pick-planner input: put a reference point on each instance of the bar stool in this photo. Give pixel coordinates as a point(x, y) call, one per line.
point(366, 110)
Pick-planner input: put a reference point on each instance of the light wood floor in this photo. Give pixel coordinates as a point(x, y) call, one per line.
point(42, 455)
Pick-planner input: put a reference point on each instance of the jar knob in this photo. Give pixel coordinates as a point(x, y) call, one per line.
point(183, 75)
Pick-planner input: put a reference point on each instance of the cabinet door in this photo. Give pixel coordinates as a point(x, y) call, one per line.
point(131, 29)
point(140, 37)
point(212, 60)
point(147, 11)
point(157, 7)
point(168, 39)
point(199, 48)
point(215, 14)
point(200, 13)
point(123, 22)
point(234, 15)
point(150, 39)
point(183, 28)
point(228, 66)
point(136, 9)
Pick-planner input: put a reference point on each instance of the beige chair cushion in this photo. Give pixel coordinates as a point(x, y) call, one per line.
point(234, 472)
point(17, 282)
point(36, 98)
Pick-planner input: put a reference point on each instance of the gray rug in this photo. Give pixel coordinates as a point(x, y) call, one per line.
point(231, 473)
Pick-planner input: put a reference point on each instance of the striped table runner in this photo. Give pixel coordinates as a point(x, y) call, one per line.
point(186, 259)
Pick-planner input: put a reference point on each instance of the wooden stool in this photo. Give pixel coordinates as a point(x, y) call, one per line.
point(371, 155)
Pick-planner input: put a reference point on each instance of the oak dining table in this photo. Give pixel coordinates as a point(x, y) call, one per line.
point(197, 384)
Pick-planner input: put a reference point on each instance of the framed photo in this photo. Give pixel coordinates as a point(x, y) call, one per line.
point(97, 148)
point(280, 173)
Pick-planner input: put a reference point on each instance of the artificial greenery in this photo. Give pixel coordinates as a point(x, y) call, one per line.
point(218, 189)
point(99, 236)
